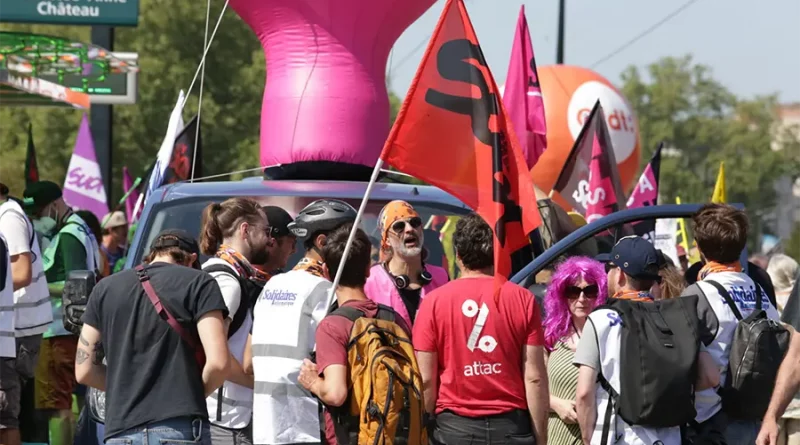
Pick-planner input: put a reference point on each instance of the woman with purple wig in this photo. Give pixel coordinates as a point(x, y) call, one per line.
point(578, 285)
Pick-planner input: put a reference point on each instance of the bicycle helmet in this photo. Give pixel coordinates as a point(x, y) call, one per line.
point(321, 215)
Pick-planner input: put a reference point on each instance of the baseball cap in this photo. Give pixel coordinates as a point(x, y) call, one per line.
point(114, 219)
point(279, 220)
point(634, 255)
point(41, 193)
point(177, 238)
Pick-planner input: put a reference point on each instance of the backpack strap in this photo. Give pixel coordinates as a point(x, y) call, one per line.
point(349, 313)
point(144, 279)
point(241, 313)
point(386, 313)
point(731, 304)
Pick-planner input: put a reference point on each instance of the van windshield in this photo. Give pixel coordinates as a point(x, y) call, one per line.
point(186, 214)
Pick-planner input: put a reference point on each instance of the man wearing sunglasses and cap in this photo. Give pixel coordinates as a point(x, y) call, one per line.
point(156, 383)
point(402, 279)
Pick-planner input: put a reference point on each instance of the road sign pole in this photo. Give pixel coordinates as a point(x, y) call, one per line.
point(101, 116)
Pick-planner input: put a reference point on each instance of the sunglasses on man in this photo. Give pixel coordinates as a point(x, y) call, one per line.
point(399, 226)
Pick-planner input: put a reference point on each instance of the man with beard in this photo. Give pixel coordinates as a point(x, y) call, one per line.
point(402, 279)
point(237, 236)
point(285, 242)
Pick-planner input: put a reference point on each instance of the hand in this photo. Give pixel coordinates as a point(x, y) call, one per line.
point(566, 411)
point(769, 433)
point(309, 375)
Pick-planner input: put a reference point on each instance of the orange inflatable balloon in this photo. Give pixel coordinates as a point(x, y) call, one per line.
point(569, 94)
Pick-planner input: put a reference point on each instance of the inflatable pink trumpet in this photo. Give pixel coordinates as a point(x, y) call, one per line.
point(325, 113)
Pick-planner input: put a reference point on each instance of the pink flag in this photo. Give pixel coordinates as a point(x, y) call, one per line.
point(646, 194)
point(604, 194)
point(83, 187)
point(130, 201)
point(522, 96)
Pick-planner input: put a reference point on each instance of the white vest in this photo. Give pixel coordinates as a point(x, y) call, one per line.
point(743, 292)
point(31, 303)
point(8, 346)
point(609, 337)
point(288, 312)
point(236, 409)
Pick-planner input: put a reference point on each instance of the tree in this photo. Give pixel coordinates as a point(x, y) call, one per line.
point(704, 123)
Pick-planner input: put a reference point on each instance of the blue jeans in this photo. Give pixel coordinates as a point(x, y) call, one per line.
point(178, 431)
point(742, 432)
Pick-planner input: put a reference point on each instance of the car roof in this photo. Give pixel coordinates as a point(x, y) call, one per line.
point(330, 189)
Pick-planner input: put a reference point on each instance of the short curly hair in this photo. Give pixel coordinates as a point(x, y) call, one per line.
point(473, 241)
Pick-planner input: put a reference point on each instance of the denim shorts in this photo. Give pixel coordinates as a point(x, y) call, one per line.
point(177, 431)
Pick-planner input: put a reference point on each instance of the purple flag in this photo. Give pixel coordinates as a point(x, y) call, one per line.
point(646, 194)
point(83, 187)
point(130, 201)
point(522, 95)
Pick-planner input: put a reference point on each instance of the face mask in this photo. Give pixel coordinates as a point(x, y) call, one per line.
point(45, 225)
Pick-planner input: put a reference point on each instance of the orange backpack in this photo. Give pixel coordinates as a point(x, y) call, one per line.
point(384, 405)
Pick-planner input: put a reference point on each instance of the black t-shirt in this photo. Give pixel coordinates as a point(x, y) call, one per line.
point(4, 266)
point(151, 373)
point(411, 298)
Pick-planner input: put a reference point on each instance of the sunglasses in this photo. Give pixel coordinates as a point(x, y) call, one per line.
point(400, 226)
point(574, 292)
point(610, 267)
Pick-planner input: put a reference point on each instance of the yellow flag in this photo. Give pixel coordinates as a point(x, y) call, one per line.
point(719, 195)
point(448, 229)
point(684, 237)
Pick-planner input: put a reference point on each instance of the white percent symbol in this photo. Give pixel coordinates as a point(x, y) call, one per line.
point(487, 343)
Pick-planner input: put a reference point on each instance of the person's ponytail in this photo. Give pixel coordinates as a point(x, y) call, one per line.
point(210, 231)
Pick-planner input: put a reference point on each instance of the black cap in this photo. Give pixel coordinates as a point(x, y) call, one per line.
point(279, 220)
point(635, 256)
point(177, 238)
point(41, 193)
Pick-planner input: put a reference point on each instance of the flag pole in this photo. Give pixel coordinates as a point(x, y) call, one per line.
point(124, 198)
point(361, 209)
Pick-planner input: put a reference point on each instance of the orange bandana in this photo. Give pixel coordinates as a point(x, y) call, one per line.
point(391, 213)
point(634, 295)
point(237, 260)
point(310, 266)
point(715, 267)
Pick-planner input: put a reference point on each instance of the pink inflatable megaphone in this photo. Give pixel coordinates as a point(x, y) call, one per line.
point(325, 113)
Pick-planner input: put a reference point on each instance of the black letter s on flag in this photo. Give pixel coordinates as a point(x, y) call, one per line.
point(452, 62)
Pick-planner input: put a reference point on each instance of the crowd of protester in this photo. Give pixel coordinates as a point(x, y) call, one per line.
point(237, 350)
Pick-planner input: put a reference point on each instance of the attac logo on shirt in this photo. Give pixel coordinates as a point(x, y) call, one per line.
point(280, 297)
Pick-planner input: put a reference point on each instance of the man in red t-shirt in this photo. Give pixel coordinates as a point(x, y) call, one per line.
point(327, 379)
point(481, 358)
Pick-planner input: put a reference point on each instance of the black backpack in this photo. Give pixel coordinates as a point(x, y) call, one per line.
point(757, 351)
point(251, 289)
point(658, 363)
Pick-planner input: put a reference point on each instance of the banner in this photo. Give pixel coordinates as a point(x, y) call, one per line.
point(31, 166)
point(523, 96)
point(83, 187)
point(666, 238)
point(453, 132)
point(646, 194)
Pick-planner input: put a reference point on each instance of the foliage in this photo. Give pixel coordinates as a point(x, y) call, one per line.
point(703, 123)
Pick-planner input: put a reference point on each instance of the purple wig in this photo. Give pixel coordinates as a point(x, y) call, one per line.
point(558, 318)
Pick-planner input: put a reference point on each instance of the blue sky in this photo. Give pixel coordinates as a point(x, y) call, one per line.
point(752, 47)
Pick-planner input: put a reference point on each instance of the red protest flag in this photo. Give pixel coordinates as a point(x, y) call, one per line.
point(453, 132)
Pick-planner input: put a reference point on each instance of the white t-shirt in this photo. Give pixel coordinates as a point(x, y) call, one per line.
point(32, 310)
point(237, 401)
point(717, 326)
point(8, 346)
point(288, 312)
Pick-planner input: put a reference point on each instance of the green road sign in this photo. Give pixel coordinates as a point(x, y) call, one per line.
point(71, 12)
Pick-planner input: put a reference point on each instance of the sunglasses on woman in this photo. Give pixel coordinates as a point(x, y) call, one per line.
point(590, 291)
point(400, 226)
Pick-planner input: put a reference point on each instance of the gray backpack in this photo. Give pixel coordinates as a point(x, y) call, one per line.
point(757, 351)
